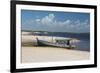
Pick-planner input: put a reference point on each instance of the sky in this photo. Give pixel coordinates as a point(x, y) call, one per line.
point(55, 21)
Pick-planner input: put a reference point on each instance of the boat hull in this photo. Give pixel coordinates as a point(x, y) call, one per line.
point(45, 43)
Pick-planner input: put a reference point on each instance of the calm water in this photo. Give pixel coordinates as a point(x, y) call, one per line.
point(84, 43)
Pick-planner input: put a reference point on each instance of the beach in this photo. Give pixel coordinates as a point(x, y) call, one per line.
point(32, 53)
point(50, 54)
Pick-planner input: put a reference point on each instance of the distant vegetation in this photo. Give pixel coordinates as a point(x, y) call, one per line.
point(55, 32)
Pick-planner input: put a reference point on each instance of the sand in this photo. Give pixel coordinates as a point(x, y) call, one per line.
point(51, 54)
point(31, 54)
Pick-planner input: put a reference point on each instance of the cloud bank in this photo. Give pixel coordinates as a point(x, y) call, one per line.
point(50, 23)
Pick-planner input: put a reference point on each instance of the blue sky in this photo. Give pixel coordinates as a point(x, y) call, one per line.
point(55, 21)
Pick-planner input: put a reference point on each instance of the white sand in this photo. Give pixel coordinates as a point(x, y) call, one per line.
point(48, 54)
point(32, 38)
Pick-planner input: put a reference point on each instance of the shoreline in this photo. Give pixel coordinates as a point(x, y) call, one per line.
point(32, 39)
point(51, 54)
point(32, 53)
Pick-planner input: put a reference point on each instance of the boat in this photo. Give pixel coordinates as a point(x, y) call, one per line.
point(59, 43)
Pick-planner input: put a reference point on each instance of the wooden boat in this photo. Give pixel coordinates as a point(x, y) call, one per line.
point(58, 43)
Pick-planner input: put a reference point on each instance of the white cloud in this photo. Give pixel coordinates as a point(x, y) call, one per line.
point(37, 20)
point(49, 22)
point(48, 19)
point(67, 22)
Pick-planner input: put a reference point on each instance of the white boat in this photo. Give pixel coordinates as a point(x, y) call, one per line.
point(59, 43)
